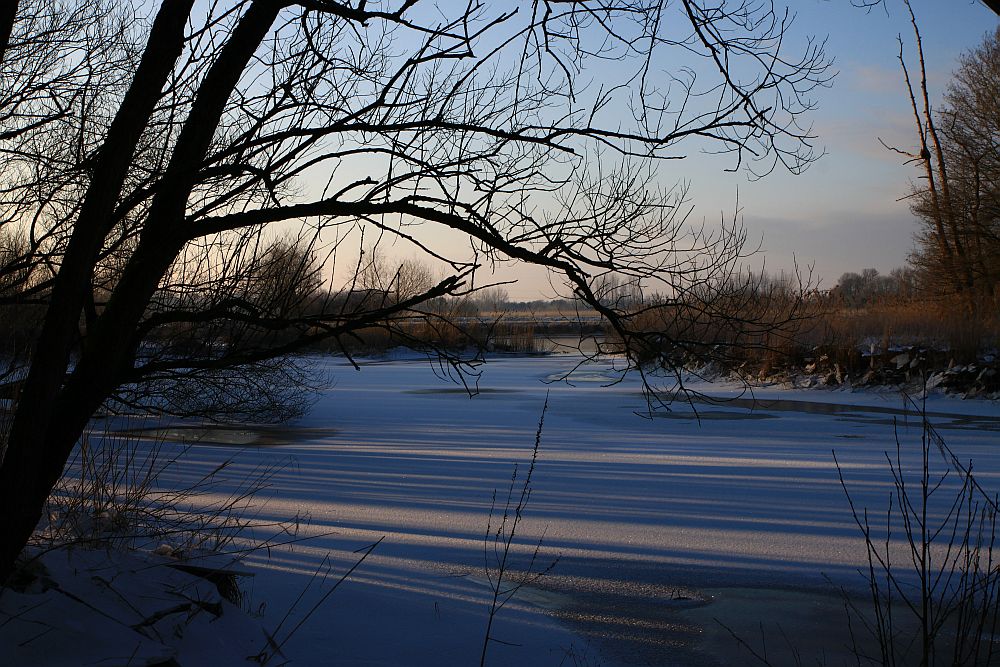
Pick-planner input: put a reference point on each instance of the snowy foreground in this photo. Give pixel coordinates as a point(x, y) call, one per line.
point(660, 525)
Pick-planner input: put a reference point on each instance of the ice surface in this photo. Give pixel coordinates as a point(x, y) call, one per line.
point(638, 510)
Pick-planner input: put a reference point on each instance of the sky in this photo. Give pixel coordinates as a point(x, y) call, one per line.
point(844, 214)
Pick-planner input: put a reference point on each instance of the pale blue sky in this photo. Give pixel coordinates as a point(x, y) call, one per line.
point(843, 213)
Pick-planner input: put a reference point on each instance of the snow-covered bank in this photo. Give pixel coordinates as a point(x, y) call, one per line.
point(641, 511)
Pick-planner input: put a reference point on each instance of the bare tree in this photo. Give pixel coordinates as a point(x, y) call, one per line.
point(529, 135)
point(958, 158)
point(970, 138)
point(937, 189)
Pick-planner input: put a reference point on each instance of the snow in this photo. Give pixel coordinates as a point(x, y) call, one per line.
point(97, 607)
point(638, 510)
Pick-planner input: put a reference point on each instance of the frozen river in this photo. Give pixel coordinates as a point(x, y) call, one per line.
point(659, 525)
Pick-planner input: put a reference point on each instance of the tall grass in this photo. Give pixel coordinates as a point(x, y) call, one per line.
point(941, 324)
point(821, 333)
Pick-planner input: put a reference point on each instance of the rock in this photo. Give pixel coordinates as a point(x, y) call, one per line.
point(164, 550)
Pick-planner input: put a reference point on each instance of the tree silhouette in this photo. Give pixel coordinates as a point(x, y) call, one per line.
point(146, 159)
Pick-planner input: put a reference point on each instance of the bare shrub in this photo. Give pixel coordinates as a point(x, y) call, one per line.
point(498, 543)
point(735, 324)
point(932, 573)
point(111, 497)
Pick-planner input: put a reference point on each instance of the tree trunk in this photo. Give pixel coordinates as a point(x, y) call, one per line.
point(52, 412)
point(8, 13)
point(40, 438)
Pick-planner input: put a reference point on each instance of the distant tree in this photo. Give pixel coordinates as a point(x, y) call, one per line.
point(904, 282)
point(493, 300)
point(856, 290)
point(145, 160)
point(394, 281)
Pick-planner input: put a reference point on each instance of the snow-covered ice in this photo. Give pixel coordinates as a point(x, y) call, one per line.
point(641, 512)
